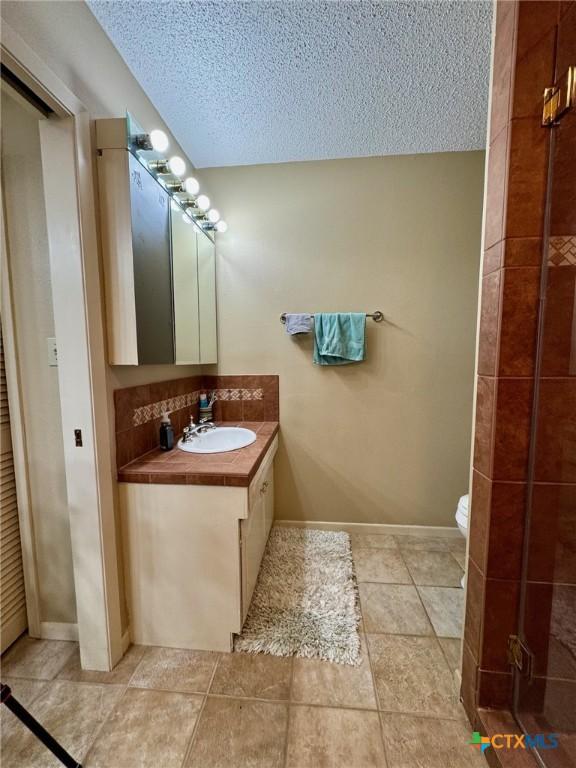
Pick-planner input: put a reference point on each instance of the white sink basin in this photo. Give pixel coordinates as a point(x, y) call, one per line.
point(219, 440)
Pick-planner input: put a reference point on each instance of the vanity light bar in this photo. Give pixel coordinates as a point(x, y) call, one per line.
point(158, 167)
point(194, 205)
point(220, 226)
point(173, 186)
point(142, 141)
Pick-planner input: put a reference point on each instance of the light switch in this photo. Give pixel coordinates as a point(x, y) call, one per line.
point(52, 352)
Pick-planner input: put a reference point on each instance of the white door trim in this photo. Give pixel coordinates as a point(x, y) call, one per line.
point(20, 59)
point(74, 264)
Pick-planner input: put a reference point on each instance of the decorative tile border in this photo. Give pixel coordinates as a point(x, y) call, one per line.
point(152, 411)
point(146, 413)
point(239, 394)
point(562, 251)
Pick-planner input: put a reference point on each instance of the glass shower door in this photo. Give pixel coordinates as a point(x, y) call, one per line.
point(545, 693)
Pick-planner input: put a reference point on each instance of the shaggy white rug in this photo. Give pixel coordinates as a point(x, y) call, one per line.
point(305, 602)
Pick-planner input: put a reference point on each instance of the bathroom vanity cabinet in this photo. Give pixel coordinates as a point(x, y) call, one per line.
point(159, 266)
point(191, 557)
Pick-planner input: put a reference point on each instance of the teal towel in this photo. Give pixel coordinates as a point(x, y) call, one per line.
point(339, 338)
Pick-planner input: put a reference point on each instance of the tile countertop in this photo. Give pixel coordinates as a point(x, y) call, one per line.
point(177, 467)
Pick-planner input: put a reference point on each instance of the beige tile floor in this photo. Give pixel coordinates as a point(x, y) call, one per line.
point(171, 708)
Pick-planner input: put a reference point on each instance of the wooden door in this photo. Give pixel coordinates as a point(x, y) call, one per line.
point(13, 619)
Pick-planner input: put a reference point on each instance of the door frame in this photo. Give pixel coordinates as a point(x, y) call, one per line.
point(69, 180)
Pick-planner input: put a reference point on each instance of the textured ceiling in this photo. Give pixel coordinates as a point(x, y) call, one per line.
point(268, 81)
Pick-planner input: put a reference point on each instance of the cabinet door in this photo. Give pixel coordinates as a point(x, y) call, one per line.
point(269, 500)
point(207, 299)
point(255, 531)
point(150, 212)
point(251, 555)
point(185, 277)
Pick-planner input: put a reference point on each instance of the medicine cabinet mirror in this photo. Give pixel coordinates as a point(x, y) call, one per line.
point(159, 265)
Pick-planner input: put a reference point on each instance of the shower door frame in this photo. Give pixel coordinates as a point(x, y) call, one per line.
point(543, 300)
point(517, 673)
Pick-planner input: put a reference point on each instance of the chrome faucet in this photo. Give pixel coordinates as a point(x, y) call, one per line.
point(193, 430)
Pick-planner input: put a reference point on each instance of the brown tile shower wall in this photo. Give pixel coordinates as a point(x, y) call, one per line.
point(524, 64)
point(139, 409)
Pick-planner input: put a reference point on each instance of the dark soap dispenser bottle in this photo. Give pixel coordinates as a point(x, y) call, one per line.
point(166, 433)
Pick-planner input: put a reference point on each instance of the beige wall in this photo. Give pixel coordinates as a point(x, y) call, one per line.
point(34, 323)
point(387, 440)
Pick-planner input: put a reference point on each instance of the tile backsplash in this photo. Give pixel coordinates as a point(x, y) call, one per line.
point(138, 409)
point(244, 398)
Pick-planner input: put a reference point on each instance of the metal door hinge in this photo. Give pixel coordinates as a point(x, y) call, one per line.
point(520, 656)
point(560, 98)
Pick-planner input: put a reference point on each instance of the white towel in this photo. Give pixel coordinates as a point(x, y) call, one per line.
point(298, 323)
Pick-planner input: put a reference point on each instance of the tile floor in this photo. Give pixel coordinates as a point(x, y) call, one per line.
point(193, 709)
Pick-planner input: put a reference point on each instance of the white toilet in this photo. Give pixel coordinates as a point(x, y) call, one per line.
point(462, 521)
point(462, 515)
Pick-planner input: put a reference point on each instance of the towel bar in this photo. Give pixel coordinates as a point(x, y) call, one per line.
point(376, 316)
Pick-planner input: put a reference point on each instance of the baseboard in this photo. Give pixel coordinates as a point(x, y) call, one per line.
point(458, 680)
point(58, 630)
point(399, 530)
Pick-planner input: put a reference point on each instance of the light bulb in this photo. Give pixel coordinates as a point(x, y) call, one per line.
point(177, 166)
point(213, 215)
point(186, 219)
point(159, 140)
point(221, 226)
point(203, 202)
point(191, 185)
